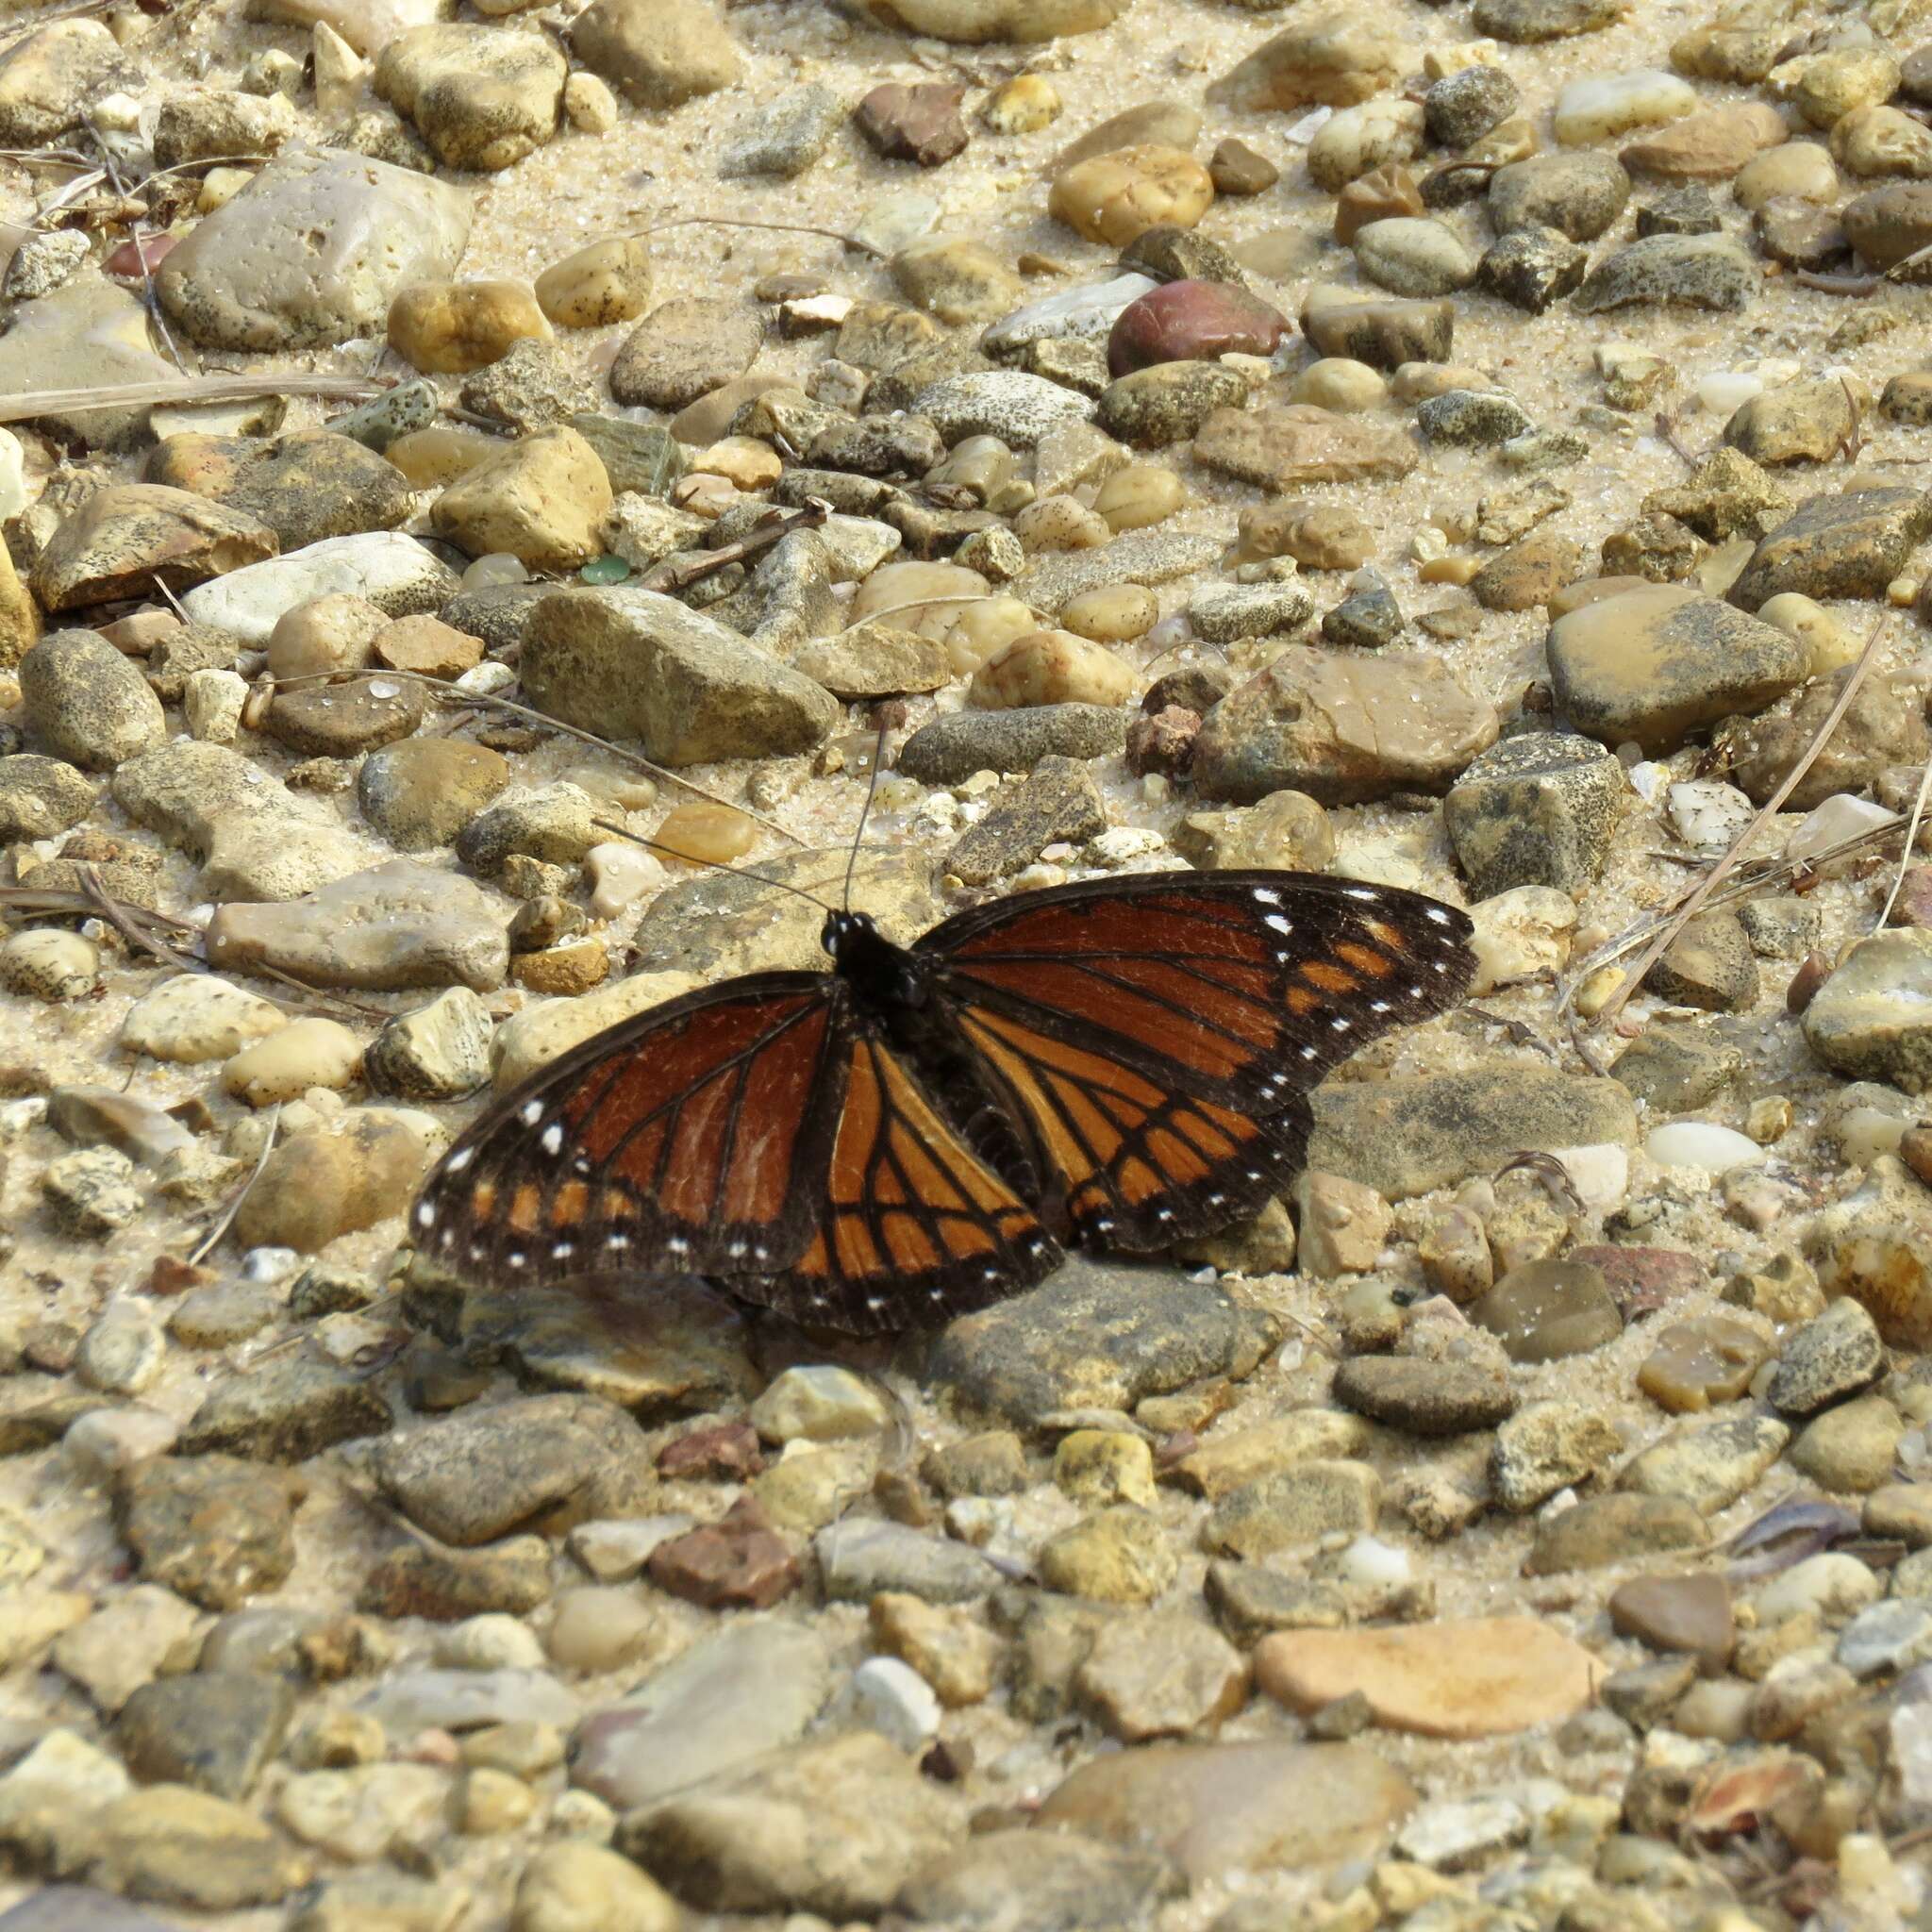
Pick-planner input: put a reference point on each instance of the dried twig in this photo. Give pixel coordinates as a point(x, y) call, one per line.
point(116, 915)
point(1905, 856)
point(774, 228)
point(1694, 902)
point(227, 1220)
point(187, 389)
point(1668, 430)
point(149, 298)
point(671, 578)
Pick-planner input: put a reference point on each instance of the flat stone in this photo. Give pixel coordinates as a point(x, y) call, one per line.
point(399, 575)
point(1691, 271)
point(510, 1578)
point(216, 1530)
point(213, 1731)
point(1160, 1674)
point(1544, 1311)
point(694, 691)
point(836, 1827)
point(1483, 1679)
point(1216, 1810)
point(1602, 1531)
point(84, 335)
point(858, 1559)
point(1709, 1465)
point(186, 1848)
point(1284, 446)
point(239, 281)
point(1840, 543)
point(751, 1688)
point(475, 1476)
point(1294, 1508)
point(1405, 1137)
point(1097, 1336)
point(398, 925)
point(1342, 728)
point(1051, 1881)
point(1423, 1397)
point(286, 1409)
point(1654, 664)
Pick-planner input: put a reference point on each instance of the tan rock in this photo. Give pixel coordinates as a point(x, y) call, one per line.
point(1478, 1679)
point(1709, 146)
point(1330, 62)
point(123, 536)
point(450, 328)
point(544, 500)
point(1115, 198)
point(1288, 445)
point(603, 282)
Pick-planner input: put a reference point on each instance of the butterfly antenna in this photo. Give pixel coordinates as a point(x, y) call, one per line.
point(737, 872)
point(878, 760)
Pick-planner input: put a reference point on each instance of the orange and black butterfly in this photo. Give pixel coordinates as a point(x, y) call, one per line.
point(1120, 1064)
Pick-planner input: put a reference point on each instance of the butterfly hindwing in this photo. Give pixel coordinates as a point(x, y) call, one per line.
point(693, 1140)
point(1159, 1034)
point(916, 1228)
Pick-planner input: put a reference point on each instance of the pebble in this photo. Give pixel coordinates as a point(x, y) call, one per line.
point(565, 1887)
point(1486, 1677)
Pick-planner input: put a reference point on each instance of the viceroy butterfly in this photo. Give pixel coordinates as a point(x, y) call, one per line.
point(1120, 1063)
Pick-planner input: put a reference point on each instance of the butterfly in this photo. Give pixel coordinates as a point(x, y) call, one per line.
point(1118, 1064)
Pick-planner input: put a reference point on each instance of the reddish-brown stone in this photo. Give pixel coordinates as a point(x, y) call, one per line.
point(1162, 743)
point(1191, 322)
point(719, 1452)
point(740, 1563)
point(913, 123)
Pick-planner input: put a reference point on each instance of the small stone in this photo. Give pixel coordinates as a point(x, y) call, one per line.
point(86, 703)
point(1544, 1311)
point(1117, 1555)
point(1115, 197)
point(214, 1731)
point(1602, 1531)
point(658, 58)
point(1830, 1357)
point(1160, 1674)
point(1422, 1397)
point(1538, 809)
point(214, 1529)
point(1709, 1465)
point(1532, 267)
point(1547, 1446)
point(1487, 1677)
point(917, 122)
point(1294, 1508)
point(570, 1887)
point(1701, 1362)
point(1836, 544)
point(740, 1562)
point(1581, 195)
point(1850, 1449)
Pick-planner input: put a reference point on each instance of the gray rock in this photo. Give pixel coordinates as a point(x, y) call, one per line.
point(1150, 408)
point(1404, 1137)
point(399, 575)
point(77, 1908)
point(475, 1476)
point(395, 926)
point(1676, 1069)
point(41, 797)
point(312, 251)
point(1365, 622)
point(1059, 800)
point(284, 1409)
point(631, 663)
point(751, 1687)
point(1872, 1019)
point(213, 1529)
point(952, 748)
point(409, 1701)
point(783, 137)
point(550, 824)
point(684, 349)
point(450, 1586)
point(1613, 1529)
point(1384, 332)
point(1423, 1397)
point(1829, 1358)
point(213, 1731)
point(1140, 556)
point(44, 262)
point(1697, 270)
point(1531, 22)
point(1580, 194)
point(1654, 665)
point(1531, 267)
point(1540, 809)
point(1471, 419)
point(860, 1558)
point(314, 486)
point(836, 1827)
point(85, 335)
point(1840, 543)
point(387, 418)
point(1709, 964)
point(1542, 1311)
point(1044, 1881)
point(1414, 256)
point(1007, 403)
point(86, 703)
point(1097, 1335)
point(422, 793)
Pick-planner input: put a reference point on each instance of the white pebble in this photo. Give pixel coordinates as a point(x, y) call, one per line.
point(492, 1642)
point(1839, 818)
point(620, 875)
point(1729, 389)
point(1374, 1564)
point(1703, 1144)
point(891, 1697)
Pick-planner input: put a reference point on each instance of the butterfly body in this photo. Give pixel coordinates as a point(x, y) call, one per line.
point(1121, 1064)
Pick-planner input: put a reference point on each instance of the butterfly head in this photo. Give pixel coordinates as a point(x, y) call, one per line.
point(843, 931)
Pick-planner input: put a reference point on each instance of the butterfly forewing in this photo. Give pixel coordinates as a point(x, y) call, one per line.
point(1159, 1034)
point(693, 1140)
